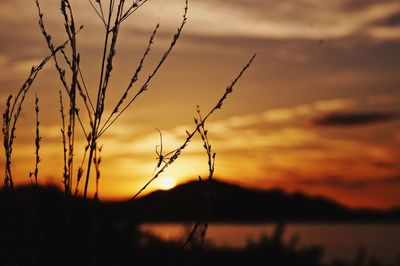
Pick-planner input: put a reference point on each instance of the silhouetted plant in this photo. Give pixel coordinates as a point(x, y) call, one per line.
point(177, 152)
point(200, 227)
point(112, 18)
point(35, 172)
point(13, 112)
point(111, 15)
point(95, 111)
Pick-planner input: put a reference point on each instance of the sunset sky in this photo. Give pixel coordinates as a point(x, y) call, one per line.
point(318, 111)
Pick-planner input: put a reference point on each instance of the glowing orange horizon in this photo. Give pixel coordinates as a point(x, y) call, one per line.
point(317, 111)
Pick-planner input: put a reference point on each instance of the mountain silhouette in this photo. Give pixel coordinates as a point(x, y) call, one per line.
point(230, 203)
point(233, 203)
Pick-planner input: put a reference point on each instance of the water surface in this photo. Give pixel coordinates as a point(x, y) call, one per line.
point(339, 240)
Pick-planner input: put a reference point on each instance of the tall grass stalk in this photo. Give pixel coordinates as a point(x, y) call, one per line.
point(98, 129)
point(71, 32)
point(65, 178)
point(199, 229)
point(112, 19)
point(35, 172)
point(12, 113)
point(111, 15)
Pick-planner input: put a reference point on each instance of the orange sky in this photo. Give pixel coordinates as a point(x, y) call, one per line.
point(318, 111)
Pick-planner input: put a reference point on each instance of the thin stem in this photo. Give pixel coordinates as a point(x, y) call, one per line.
point(69, 22)
point(160, 63)
point(61, 71)
point(109, 67)
point(92, 144)
point(85, 87)
point(101, 16)
point(13, 111)
point(131, 10)
point(80, 170)
point(83, 94)
point(65, 169)
point(131, 83)
point(203, 218)
point(102, 13)
point(37, 141)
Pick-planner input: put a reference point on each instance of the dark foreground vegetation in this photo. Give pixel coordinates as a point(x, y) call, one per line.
point(40, 227)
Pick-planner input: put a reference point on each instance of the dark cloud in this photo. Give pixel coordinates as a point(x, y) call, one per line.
point(390, 21)
point(349, 5)
point(353, 118)
point(342, 183)
point(385, 165)
point(249, 4)
point(271, 6)
point(352, 5)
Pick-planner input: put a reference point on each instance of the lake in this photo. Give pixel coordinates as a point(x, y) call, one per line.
point(339, 240)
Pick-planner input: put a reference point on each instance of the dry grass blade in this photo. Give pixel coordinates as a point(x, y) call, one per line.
point(179, 150)
point(106, 68)
point(37, 141)
point(80, 171)
point(97, 162)
point(100, 14)
point(135, 6)
point(69, 24)
point(66, 178)
point(133, 80)
point(202, 222)
point(83, 93)
point(151, 76)
point(60, 70)
point(8, 181)
point(109, 51)
point(13, 111)
point(109, 67)
point(70, 29)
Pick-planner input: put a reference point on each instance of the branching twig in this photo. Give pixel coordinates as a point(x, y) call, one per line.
point(101, 15)
point(83, 93)
point(135, 6)
point(205, 213)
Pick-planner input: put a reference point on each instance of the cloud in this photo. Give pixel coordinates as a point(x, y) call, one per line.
point(385, 33)
point(3, 60)
point(353, 118)
point(385, 164)
point(390, 21)
point(282, 116)
point(303, 19)
point(285, 114)
point(355, 5)
point(308, 19)
point(382, 99)
point(334, 104)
